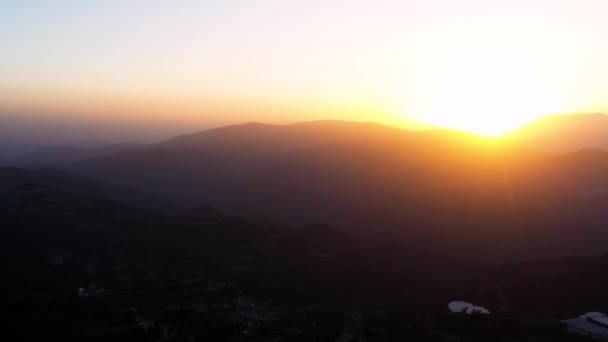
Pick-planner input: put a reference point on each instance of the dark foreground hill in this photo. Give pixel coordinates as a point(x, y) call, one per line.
point(80, 268)
point(442, 191)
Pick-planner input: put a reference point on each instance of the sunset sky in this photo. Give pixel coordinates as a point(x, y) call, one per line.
point(478, 65)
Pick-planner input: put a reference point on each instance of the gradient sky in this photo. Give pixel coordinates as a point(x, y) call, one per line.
point(216, 62)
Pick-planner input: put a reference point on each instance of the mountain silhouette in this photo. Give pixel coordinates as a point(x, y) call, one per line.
point(564, 133)
point(11, 178)
point(53, 155)
point(447, 191)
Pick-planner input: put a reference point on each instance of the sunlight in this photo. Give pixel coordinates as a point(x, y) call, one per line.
point(487, 92)
point(479, 83)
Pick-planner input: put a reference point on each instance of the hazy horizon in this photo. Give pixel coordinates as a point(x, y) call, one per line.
point(21, 134)
point(466, 65)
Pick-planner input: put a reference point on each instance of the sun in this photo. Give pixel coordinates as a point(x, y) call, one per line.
point(485, 85)
point(487, 92)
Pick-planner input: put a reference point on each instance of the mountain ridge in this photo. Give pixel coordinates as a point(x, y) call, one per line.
point(561, 133)
point(11, 177)
point(439, 189)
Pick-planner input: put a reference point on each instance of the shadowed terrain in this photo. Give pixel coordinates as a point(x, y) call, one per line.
point(444, 191)
point(327, 231)
point(64, 181)
point(83, 268)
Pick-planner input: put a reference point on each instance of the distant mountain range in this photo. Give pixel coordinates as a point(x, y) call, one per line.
point(54, 155)
point(11, 177)
point(564, 133)
point(448, 192)
point(444, 190)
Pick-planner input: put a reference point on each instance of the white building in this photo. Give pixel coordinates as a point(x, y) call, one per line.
point(592, 324)
point(467, 308)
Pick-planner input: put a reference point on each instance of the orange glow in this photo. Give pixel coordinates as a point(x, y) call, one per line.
point(465, 65)
point(492, 80)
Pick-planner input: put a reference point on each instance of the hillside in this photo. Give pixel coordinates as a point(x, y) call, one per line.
point(104, 264)
point(444, 191)
point(81, 268)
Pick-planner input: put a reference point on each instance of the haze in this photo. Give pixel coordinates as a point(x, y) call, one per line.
point(480, 66)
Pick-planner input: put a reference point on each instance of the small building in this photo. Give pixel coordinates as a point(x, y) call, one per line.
point(592, 324)
point(467, 308)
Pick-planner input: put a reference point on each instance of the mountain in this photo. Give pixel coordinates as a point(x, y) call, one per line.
point(209, 166)
point(11, 177)
point(81, 268)
point(443, 191)
point(586, 167)
point(53, 155)
point(564, 133)
point(9, 150)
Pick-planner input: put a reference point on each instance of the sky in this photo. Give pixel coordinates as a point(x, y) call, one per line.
point(479, 65)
